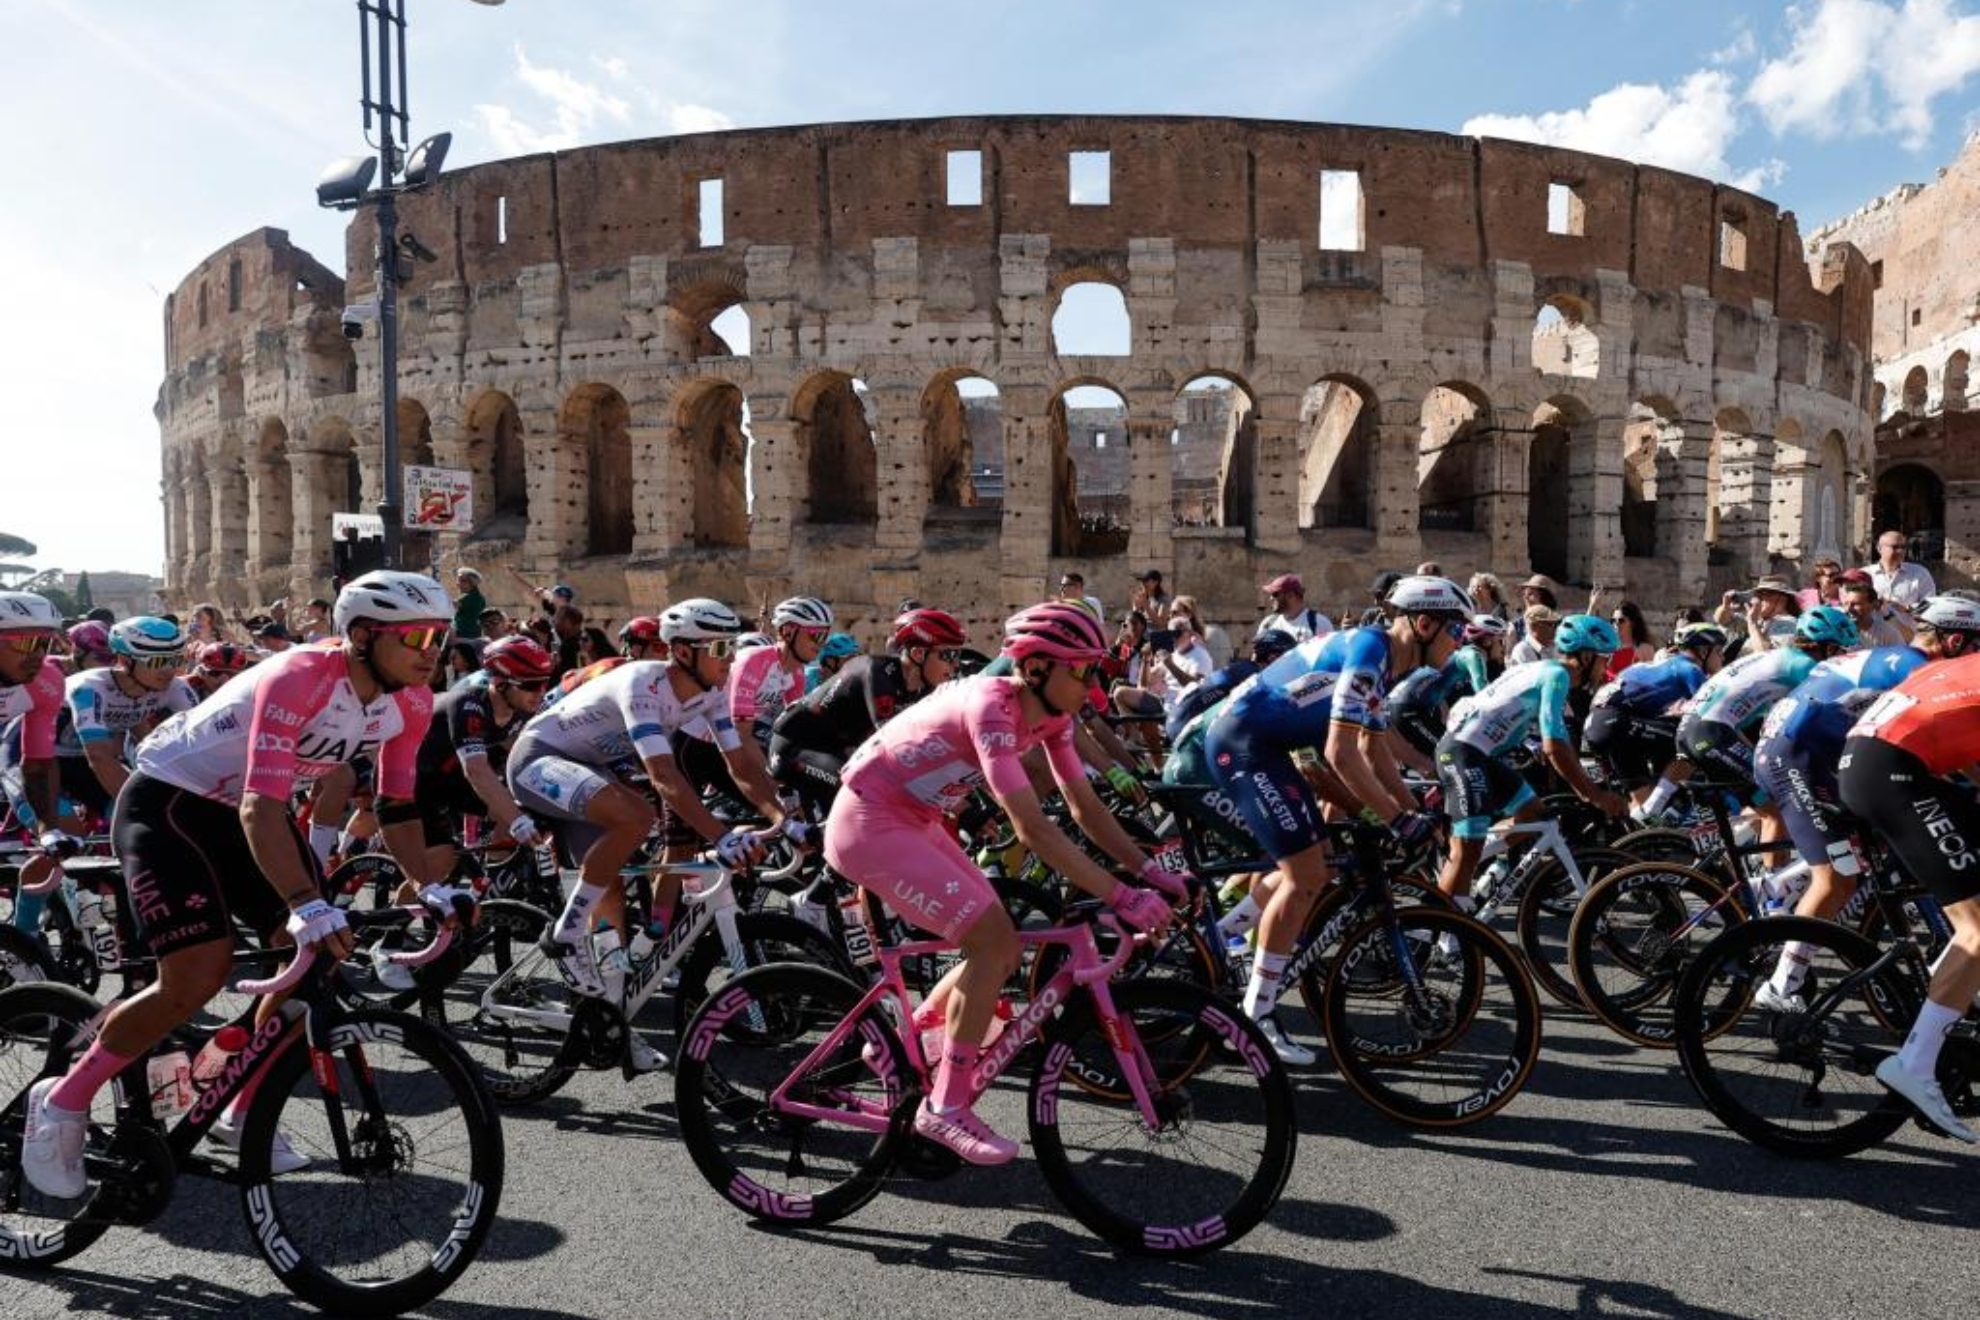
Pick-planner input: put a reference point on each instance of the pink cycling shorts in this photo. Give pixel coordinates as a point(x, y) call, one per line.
point(910, 861)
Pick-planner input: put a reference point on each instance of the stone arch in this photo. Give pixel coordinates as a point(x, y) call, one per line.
point(689, 321)
point(1087, 423)
point(1653, 480)
point(712, 444)
point(496, 453)
point(1564, 344)
point(271, 482)
point(1339, 430)
point(199, 507)
point(1912, 400)
point(1560, 468)
point(1456, 459)
point(1911, 498)
point(1213, 449)
point(415, 434)
point(596, 426)
point(832, 427)
point(1952, 397)
point(962, 433)
point(1090, 318)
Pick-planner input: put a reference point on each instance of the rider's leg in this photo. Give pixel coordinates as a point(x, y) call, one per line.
point(1302, 876)
point(625, 819)
point(187, 980)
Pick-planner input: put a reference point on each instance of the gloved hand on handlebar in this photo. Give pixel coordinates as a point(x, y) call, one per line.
point(1143, 909)
point(739, 847)
point(447, 902)
point(316, 922)
point(59, 843)
point(1173, 883)
point(1413, 828)
point(802, 833)
point(525, 831)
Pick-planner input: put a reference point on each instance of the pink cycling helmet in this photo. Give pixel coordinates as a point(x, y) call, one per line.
point(90, 639)
point(1057, 630)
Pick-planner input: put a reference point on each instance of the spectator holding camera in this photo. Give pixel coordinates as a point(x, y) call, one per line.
point(1759, 619)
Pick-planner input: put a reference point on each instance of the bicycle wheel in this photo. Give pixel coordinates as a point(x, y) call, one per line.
point(43, 1027)
point(1181, 956)
point(509, 1010)
point(1214, 1167)
point(1331, 920)
point(1800, 1083)
point(765, 937)
point(757, 1037)
point(1633, 935)
point(1659, 843)
point(1453, 1048)
point(22, 959)
point(1546, 913)
point(405, 1171)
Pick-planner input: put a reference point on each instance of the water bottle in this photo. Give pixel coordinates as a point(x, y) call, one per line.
point(169, 1077)
point(1487, 882)
point(611, 963)
point(214, 1056)
point(1237, 952)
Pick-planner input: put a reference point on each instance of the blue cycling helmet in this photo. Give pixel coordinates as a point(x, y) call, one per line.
point(839, 646)
point(1585, 632)
point(1827, 625)
point(148, 638)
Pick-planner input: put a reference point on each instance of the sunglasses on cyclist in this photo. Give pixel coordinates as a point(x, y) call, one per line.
point(1083, 673)
point(722, 648)
point(530, 684)
point(951, 656)
point(416, 636)
point(815, 634)
point(37, 644)
point(172, 661)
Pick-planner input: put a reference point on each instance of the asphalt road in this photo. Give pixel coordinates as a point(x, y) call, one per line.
point(1602, 1191)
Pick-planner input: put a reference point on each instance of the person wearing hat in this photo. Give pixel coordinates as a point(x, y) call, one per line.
point(1758, 619)
point(468, 603)
point(1378, 614)
point(1289, 610)
point(272, 637)
point(1540, 590)
point(1538, 644)
point(1149, 596)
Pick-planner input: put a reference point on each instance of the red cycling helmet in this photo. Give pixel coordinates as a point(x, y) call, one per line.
point(644, 630)
point(1056, 630)
point(223, 658)
point(937, 628)
point(518, 660)
point(90, 640)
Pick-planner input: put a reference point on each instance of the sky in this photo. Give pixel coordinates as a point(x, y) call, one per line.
point(148, 133)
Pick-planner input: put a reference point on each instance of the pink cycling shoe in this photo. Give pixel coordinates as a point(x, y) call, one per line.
point(961, 1131)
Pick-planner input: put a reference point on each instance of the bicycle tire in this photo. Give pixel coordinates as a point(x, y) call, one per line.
point(42, 1027)
point(22, 959)
point(1846, 1042)
point(1405, 890)
point(765, 937)
point(517, 1059)
point(1632, 937)
point(1545, 918)
point(1659, 843)
point(748, 1041)
point(1208, 1060)
point(437, 1105)
point(1476, 1047)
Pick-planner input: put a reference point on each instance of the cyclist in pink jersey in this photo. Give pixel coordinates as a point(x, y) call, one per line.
point(889, 832)
point(205, 833)
point(31, 695)
point(765, 679)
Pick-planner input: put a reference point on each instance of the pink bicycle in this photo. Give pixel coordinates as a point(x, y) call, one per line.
point(1159, 1115)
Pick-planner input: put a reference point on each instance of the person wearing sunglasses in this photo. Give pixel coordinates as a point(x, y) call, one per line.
point(1329, 692)
point(768, 678)
point(103, 708)
point(31, 697)
point(814, 737)
point(890, 832)
point(564, 767)
point(207, 836)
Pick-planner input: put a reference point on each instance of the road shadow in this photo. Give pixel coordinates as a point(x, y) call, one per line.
point(185, 1297)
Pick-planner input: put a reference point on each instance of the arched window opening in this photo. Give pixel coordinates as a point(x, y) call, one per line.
point(1563, 343)
point(1644, 467)
point(1912, 499)
point(1213, 455)
point(598, 423)
point(1953, 397)
point(274, 500)
point(1339, 429)
point(731, 330)
point(1560, 480)
point(415, 434)
point(707, 320)
point(1090, 470)
point(495, 454)
point(1092, 320)
point(1913, 401)
point(962, 429)
point(1455, 460)
point(834, 431)
point(712, 426)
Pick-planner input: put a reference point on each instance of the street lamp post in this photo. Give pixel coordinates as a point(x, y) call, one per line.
point(347, 185)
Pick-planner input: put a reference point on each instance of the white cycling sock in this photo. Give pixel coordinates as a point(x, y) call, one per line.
point(1262, 995)
point(575, 923)
point(1241, 919)
point(1920, 1055)
point(1660, 797)
point(1792, 968)
point(322, 842)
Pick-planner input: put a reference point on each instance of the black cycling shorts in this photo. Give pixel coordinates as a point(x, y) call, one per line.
point(1480, 789)
point(188, 871)
point(1636, 747)
point(812, 775)
point(1804, 792)
point(1723, 752)
point(1932, 824)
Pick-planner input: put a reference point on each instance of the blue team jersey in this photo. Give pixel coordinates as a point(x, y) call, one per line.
point(1817, 716)
point(1342, 677)
point(1199, 697)
point(1653, 688)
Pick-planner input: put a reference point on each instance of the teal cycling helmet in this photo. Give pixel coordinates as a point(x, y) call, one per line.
point(839, 646)
point(1827, 625)
point(1585, 632)
point(148, 638)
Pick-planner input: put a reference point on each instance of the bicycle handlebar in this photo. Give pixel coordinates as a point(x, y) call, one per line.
point(1105, 971)
point(291, 975)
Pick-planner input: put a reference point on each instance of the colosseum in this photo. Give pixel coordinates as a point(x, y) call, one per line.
point(841, 359)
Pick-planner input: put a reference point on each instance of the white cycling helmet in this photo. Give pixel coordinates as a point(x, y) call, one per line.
point(698, 620)
point(1949, 614)
point(147, 638)
point(804, 611)
point(749, 641)
point(23, 611)
point(1486, 625)
point(388, 597)
point(1431, 595)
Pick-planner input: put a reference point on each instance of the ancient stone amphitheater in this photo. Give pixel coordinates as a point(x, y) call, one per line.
point(826, 359)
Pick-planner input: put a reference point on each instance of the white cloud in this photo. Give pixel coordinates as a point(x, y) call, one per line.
point(1687, 128)
point(1866, 67)
point(585, 111)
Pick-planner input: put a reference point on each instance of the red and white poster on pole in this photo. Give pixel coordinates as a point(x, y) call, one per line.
point(439, 499)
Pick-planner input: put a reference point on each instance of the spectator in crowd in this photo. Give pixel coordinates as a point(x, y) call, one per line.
point(468, 603)
point(1150, 596)
point(315, 623)
point(272, 637)
point(1489, 595)
point(1825, 584)
point(1878, 623)
point(1541, 622)
point(548, 599)
point(593, 646)
point(1638, 645)
point(1289, 610)
point(1378, 612)
point(568, 626)
point(1429, 568)
point(495, 625)
point(1188, 661)
point(539, 628)
point(1759, 619)
point(1072, 586)
point(1899, 581)
point(1215, 640)
point(208, 625)
point(1540, 590)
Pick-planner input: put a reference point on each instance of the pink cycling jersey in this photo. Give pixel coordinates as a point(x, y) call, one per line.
point(963, 735)
point(291, 719)
point(761, 683)
point(35, 704)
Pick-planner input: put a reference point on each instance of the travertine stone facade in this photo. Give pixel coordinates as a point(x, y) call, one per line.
point(1691, 400)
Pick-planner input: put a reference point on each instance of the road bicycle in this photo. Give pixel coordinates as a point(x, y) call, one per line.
point(1158, 1114)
